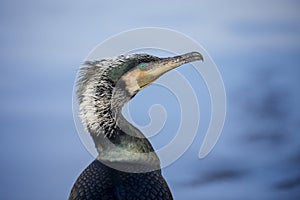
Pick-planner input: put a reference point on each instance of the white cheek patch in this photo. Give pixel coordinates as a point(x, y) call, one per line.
point(130, 80)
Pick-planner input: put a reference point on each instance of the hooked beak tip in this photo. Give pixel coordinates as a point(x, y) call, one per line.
point(192, 56)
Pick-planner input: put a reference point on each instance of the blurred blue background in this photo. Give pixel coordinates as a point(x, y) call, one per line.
point(255, 44)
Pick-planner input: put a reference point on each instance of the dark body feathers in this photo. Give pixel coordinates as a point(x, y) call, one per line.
point(100, 182)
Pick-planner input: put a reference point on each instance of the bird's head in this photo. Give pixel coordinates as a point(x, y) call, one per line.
point(104, 86)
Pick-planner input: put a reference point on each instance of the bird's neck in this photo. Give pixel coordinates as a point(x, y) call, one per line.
point(117, 141)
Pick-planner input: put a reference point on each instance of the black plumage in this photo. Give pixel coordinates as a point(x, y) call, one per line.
point(99, 181)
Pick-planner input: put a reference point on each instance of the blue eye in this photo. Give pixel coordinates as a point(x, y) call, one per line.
point(142, 66)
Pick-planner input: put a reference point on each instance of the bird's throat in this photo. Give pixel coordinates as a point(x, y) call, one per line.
point(116, 140)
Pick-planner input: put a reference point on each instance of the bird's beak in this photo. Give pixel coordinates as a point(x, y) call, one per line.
point(156, 69)
point(146, 73)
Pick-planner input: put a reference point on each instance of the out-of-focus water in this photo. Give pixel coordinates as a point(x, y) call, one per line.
point(255, 44)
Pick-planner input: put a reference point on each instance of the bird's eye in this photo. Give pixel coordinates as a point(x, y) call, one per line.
point(142, 66)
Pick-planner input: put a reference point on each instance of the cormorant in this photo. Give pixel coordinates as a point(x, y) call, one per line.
point(127, 166)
